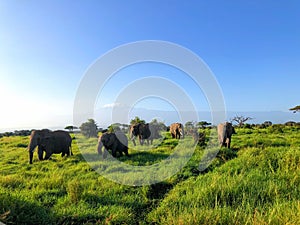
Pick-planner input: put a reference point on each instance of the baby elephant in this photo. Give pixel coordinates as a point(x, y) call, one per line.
point(116, 142)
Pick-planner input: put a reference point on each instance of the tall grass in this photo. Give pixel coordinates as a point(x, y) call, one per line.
point(257, 181)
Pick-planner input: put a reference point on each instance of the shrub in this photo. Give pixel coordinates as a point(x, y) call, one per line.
point(75, 190)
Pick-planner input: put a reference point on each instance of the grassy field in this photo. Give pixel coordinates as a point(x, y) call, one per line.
point(257, 181)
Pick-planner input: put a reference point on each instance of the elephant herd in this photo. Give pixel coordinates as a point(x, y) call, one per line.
point(55, 142)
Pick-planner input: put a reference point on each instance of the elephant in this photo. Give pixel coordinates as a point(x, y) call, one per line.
point(177, 130)
point(199, 137)
point(116, 142)
point(51, 142)
point(225, 131)
point(140, 130)
point(155, 132)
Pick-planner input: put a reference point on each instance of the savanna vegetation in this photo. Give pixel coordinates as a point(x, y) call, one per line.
point(256, 181)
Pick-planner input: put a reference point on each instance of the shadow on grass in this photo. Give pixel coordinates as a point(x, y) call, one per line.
point(19, 211)
point(144, 158)
point(224, 155)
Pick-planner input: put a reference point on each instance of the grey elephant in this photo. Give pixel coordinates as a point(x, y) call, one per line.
point(116, 142)
point(199, 137)
point(177, 130)
point(140, 130)
point(155, 132)
point(225, 131)
point(51, 142)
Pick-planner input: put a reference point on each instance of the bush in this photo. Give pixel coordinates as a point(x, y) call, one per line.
point(89, 128)
point(75, 190)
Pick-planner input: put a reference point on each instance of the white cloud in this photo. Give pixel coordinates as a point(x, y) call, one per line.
point(114, 104)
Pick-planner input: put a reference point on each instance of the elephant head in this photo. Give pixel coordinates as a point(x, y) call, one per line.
point(36, 139)
point(225, 131)
point(177, 130)
point(140, 130)
point(106, 140)
point(113, 141)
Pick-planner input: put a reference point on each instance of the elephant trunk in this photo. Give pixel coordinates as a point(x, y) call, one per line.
point(224, 136)
point(100, 145)
point(182, 133)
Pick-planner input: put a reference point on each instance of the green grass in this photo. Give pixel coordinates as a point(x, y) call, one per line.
point(257, 181)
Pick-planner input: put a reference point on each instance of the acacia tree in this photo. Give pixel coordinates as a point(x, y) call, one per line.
point(71, 128)
point(203, 124)
point(89, 128)
point(240, 120)
point(295, 109)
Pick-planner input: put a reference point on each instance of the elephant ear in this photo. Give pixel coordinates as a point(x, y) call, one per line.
point(45, 140)
point(111, 139)
point(233, 130)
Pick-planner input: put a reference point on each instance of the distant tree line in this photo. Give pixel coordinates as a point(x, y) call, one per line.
point(91, 129)
point(16, 133)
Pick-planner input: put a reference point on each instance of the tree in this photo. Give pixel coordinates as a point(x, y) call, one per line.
point(189, 127)
point(136, 120)
point(114, 127)
point(267, 123)
point(203, 124)
point(89, 128)
point(159, 125)
point(240, 120)
point(295, 109)
point(70, 128)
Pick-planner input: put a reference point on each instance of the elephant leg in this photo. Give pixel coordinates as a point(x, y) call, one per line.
point(125, 149)
point(133, 141)
point(40, 153)
point(224, 144)
point(104, 155)
point(173, 136)
point(48, 154)
point(66, 152)
point(114, 152)
point(121, 153)
point(30, 157)
point(228, 142)
point(140, 140)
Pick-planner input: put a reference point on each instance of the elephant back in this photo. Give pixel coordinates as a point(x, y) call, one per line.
point(64, 136)
point(121, 137)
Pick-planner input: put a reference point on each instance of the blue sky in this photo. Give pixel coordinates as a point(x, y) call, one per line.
point(252, 47)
